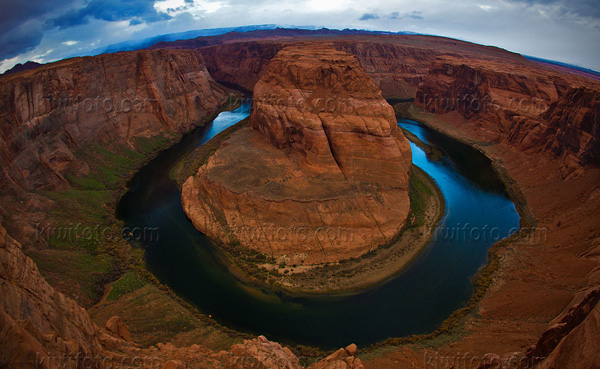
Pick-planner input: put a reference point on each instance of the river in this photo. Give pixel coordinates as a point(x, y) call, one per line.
point(436, 283)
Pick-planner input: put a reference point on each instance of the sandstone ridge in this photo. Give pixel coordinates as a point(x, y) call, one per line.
point(320, 175)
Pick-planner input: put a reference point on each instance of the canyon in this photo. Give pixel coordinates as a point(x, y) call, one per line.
point(538, 124)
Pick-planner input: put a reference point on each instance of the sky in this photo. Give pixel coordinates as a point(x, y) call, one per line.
point(49, 30)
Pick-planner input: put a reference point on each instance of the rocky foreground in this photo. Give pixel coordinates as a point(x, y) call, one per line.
point(42, 328)
point(320, 175)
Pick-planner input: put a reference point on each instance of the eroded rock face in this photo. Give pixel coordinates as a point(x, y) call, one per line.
point(488, 90)
point(573, 334)
point(36, 322)
point(528, 107)
point(570, 128)
point(324, 108)
point(322, 173)
point(48, 113)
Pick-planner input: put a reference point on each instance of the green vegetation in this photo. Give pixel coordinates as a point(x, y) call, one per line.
point(86, 251)
point(418, 193)
point(82, 223)
point(129, 282)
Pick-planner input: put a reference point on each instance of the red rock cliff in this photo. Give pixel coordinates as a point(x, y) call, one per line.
point(50, 112)
point(526, 105)
point(396, 63)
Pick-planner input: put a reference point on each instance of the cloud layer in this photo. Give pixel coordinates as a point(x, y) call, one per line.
point(561, 30)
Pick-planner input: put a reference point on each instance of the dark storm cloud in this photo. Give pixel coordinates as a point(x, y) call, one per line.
point(368, 16)
point(16, 12)
point(21, 39)
point(22, 22)
point(19, 30)
point(110, 10)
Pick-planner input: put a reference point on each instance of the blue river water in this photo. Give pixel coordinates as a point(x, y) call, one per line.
point(415, 301)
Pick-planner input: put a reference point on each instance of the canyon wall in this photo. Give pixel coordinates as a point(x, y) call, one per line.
point(396, 63)
point(48, 113)
point(36, 322)
point(531, 108)
point(323, 152)
point(241, 63)
point(569, 129)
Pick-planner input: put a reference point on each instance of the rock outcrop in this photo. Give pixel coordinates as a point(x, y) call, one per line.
point(342, 358)
point(261, 353)
point(322, 173)
point(46, 114)
point(118, 328)
point(529, 107)
point(569, 129)
point(37, 323)
point(575, 333)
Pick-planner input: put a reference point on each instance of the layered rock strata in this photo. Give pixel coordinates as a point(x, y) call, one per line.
point(48, 113)
point(530, 108)
point(320, 175)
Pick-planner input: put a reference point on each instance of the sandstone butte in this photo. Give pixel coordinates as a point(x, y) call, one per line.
point(321, 174)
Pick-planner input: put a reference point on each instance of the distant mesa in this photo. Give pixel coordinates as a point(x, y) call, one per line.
point(21, 67)
point(321, 173)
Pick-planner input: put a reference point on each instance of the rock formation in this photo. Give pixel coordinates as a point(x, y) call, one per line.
point(569, 129)
point(342, 358)
point(396, 63)
point(46, 114)
point(527, 106)
point(36, 322)
point(321, 174)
